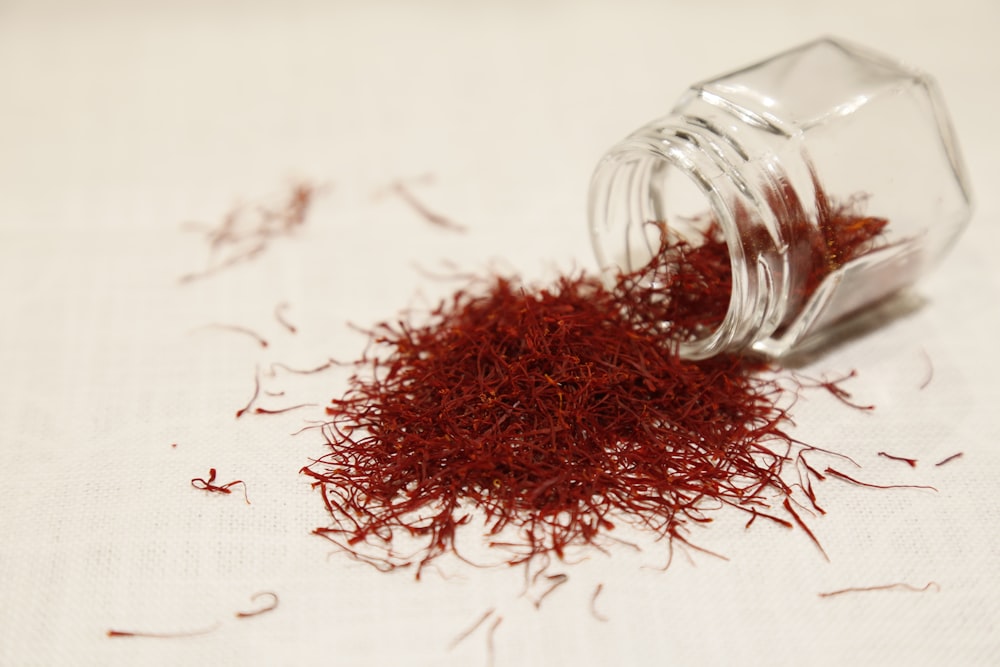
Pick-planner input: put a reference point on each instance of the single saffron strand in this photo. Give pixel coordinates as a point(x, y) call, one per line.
point(852, 480)
point(593, 604)
point(278, 411)
point(210, 486)
point(270, 606)
point(238, 329)
point(930, 370)
point(465, 633)
point(434, 218)
point(163, 635)
point(931, 585)
point(490, 645)
point(754, 514)
point(279, 315)
point(454, 272)
point(803, 526)
point(244, 256)
point(557, 581)
point(949, 459)
point(330, 363)
point(912, 462)
point(256, 393)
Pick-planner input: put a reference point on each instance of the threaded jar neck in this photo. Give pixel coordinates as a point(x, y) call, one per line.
point(682, 175)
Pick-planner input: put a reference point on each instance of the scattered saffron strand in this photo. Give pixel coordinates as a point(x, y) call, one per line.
point(246, 231)
point(838, 392)
point(164, 635)
point(434, 218)
point(253, 398)
point(931, 585)
point(278, 411)
point(930, 370)
point(238, 329)
point(778, 520)
point(465, 633)
point(244, 256)
point(557, 581)
point(490, 645)
point(852, 480)
point(210, 486)
point(279, 315)
point(949, 459)
point(329, 363)
point(803, 526)
point(271, 605)
point(912, 462)
point(454, 272)
point(593, 604)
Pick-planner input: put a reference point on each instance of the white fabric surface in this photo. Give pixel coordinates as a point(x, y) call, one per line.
point(119, 122)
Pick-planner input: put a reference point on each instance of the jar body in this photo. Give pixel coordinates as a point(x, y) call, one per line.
point(770, 154)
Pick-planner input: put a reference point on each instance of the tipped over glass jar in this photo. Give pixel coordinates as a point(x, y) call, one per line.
point(779, 199)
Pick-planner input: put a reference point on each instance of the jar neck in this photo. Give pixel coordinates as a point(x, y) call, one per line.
point(680, 172)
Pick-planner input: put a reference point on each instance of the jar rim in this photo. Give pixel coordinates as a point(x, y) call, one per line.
point(628, 191)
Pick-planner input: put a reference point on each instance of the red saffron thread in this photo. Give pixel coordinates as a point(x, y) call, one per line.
point(911, 462)
point(490, 641)
point(245, 232)
point(802, 524)
point(253, 399)
point(430, 216)
point(838, 392)
point(164, 635)
point(238, 329)
point(949, 459)
point(593, 604)
point(278, 411)
point(210, 486)
point(930, 370)
point(556, 580)
point(330, 363)
point(885, 587)
point(754, 513)
point(805, 480)
point(279, 315)
point(465, 633)
point(271, 604)
point(852, 480)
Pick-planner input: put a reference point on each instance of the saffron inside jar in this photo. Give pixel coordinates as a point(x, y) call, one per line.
point(687, 284)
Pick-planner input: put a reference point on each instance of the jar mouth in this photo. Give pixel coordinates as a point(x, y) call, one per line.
point(659, 191)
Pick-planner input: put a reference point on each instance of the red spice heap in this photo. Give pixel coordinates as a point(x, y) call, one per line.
point(554, 412)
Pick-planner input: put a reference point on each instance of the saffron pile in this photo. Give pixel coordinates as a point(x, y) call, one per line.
point(549, 414)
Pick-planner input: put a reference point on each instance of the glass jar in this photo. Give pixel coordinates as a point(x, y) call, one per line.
point(780, 159)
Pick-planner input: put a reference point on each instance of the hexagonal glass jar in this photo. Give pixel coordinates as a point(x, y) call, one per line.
point(760, 145)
